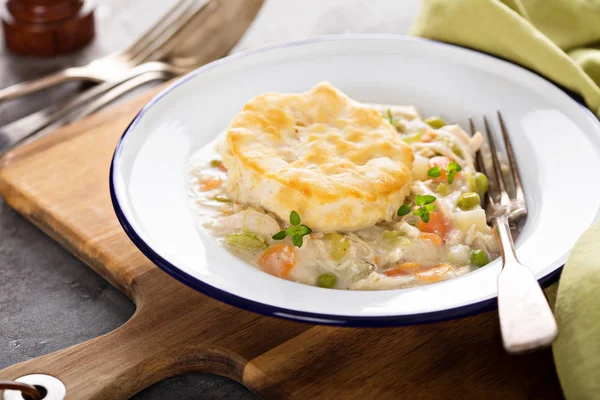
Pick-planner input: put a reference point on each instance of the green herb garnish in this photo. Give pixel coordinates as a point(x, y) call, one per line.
point(403, 210)
point(424, 206)
point(215, 163)
point(453, 169)
point(390, 117)
point(434, 172)
point(279, 235)
point(294, 218)
point(296, 231)
point(400, 127)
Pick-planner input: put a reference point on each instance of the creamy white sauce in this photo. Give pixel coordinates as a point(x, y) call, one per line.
point(370, 253)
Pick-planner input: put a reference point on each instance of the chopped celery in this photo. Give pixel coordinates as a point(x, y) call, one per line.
point(457, 151)
point(338, 245)
point(459, 254)
point(435, 122)
point(396, 237)
point(411, 137)
point(222, 199)
point(442, 189)
point(246, 241)
point(391, 234)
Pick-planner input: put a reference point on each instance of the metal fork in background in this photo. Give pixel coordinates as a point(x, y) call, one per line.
point(208, 33)
point(98, 103)
point(152, 45)
point(25, 127)
point(526, 320)
point(21, 129)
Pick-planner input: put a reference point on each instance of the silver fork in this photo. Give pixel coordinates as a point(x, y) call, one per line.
point(526, 320)
point(14, 137)
point(152, 45)
point(28, 126)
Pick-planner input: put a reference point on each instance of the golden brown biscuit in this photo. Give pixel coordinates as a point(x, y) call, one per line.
point(336, 162)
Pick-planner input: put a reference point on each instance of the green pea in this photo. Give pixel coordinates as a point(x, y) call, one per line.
point(442, 189)
point(435, 122)
point(246, 241)
point(481, 183)
point(468, 201)
point(327, 281)
point(479, 258)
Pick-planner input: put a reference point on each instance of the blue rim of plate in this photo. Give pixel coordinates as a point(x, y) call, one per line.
point(294, 315)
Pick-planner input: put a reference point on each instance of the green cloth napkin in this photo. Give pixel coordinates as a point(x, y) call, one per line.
point(559, 39)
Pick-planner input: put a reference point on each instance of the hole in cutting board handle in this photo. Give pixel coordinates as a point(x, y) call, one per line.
point(41, 389)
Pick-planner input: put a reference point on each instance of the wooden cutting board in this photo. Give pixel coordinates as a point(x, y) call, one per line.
point(60, 183)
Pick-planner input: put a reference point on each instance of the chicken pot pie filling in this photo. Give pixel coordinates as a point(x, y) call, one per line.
point(319, 189)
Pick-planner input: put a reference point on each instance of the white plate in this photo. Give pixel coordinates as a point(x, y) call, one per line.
point(557, 143)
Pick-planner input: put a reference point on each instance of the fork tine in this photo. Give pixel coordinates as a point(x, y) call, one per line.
point(492, 192)
point(198, 18)
point(504, 198)
point(472, 126)
point(480, 167)
point(154, 50)
point(157, 30)
point(512, 160)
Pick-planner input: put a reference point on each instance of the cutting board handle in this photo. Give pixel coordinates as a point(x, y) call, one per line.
point(119, 364)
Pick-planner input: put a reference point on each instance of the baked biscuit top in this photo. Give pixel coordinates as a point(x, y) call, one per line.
point(309, 151)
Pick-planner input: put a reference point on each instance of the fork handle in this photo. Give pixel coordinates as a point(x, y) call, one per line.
point(21, 129)
point(526, 320)
point(34, 85)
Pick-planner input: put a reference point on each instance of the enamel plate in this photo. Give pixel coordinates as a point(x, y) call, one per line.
point(557, 142)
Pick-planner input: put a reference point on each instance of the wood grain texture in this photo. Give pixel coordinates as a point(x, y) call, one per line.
point(60, 184)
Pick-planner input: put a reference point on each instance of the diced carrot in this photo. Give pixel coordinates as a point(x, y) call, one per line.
point(278, 260)
point(403, 269)
point(432, 237)
point(442, 162)
point(434, 274)
point(428, 137)
point(437, 224)
point(222, 167)
point(210, 183)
